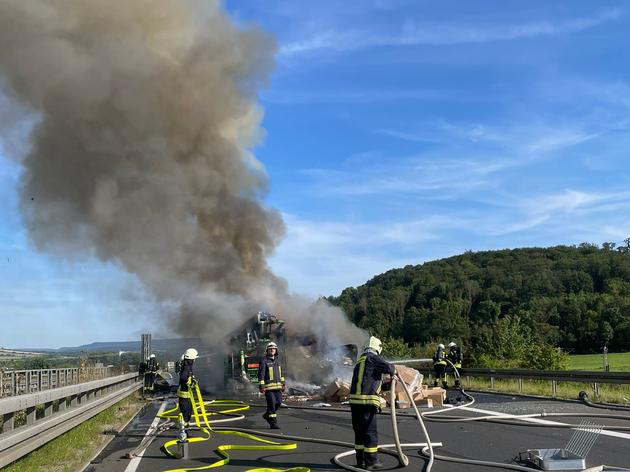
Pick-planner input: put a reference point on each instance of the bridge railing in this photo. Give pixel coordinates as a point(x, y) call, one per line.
point(30, 420)
point(22, 382)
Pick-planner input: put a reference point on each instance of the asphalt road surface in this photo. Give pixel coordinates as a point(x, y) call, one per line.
point(473, 440)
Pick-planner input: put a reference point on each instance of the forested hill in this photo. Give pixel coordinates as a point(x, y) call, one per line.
point(577, 298)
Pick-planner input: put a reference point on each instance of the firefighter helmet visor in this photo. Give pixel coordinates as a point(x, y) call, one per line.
point(375, 344)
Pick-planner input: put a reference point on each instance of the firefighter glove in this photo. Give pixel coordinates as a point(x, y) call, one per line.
point(261, 389)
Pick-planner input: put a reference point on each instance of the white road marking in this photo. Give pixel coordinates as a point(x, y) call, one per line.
point(605, 432)
point(135, 462)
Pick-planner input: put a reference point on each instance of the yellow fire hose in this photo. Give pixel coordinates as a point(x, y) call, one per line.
point(229, 407)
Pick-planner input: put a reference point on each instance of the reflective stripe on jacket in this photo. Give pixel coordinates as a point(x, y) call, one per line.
point(366, 379)
point(270, 373)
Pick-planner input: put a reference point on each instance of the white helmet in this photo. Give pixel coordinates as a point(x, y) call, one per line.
point(191, 353)
point(451, 344)
point(375, 344)
point(440, 346)
point(152, 356)
point(272, 345)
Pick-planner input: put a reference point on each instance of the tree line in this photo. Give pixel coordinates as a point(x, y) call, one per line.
point(508, 308)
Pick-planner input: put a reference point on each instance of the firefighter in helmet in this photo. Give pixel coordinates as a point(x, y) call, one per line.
point(151, 371)
point(187, 382)
point(271, 383)
point(439, 365)
point(365, 402)
point(455, 357)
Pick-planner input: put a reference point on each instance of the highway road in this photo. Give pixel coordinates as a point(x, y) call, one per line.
point(472, 440)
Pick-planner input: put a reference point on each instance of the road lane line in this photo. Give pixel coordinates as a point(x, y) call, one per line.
point(135, 462)
point(604, 432)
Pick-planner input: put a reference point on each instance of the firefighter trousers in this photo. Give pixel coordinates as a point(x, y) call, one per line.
point(185, 408)
point(365, 432)
point(440, 373)
point(274, 400)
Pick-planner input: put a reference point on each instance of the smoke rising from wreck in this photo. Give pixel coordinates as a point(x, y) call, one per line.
point(146, 114)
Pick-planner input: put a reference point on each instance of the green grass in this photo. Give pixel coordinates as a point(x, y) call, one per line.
point(72, 450)
point(618, 362)
point(566, 390)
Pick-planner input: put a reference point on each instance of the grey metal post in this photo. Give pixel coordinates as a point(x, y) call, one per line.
point(606, 366)
point(554, 388)
point(9, 422)
point(520, 385)
point(145, 347)
point(492, 383)
point(30, 415)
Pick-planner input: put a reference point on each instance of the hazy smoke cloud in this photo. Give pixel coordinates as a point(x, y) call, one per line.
point(146, 111)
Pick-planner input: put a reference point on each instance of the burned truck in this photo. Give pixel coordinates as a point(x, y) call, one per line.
point(306, 360)
point(247, 346)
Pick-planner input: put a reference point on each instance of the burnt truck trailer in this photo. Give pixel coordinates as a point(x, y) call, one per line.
point(247, 346)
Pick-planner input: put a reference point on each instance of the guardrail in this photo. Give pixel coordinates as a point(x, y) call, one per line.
point(50, 413)
point(595, 379)
point(22, 382)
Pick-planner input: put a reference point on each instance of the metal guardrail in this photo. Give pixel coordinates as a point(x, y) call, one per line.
point(23, 382)
point(73, 403)
point(595, 379)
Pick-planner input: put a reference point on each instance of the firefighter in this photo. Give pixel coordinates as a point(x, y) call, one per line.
point(439, 365)
point(455, 357)
point(151, 371)
point(365, 403)
point(184, 392)
point(271, 383)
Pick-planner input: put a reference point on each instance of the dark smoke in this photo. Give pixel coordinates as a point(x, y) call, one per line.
point(146, 112)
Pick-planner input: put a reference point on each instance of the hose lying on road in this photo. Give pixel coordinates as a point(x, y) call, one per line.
point(227, 407)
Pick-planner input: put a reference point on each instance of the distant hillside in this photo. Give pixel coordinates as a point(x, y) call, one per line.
point(114, 346)
point(577, 298)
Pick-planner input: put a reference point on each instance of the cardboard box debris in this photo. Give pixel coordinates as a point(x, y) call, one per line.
point(337, 391)
point(436, 394)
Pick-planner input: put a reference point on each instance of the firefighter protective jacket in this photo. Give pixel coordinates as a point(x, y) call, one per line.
point(439, 357)
point(270, 373)
point(366, 379)
point(185, 379)
point(152, 365)
point(455, 356)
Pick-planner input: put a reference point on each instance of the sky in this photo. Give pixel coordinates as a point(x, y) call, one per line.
point(396, 132)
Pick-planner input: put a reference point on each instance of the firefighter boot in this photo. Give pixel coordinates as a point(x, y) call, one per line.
point(458, 383)
point(360, 458)
point(273, 423)
point(372, 462)
point(266, 417)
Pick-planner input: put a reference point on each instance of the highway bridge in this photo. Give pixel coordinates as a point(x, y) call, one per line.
point(138, 447)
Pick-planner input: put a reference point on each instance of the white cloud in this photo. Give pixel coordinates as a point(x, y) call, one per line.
point(321, 257)
point(413, 34)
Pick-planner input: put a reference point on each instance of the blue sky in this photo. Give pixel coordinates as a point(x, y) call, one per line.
point(396, 132)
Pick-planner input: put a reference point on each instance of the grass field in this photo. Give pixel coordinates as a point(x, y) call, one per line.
point(618, 362)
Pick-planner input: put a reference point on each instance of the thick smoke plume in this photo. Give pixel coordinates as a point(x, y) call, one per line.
point(146, 112)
